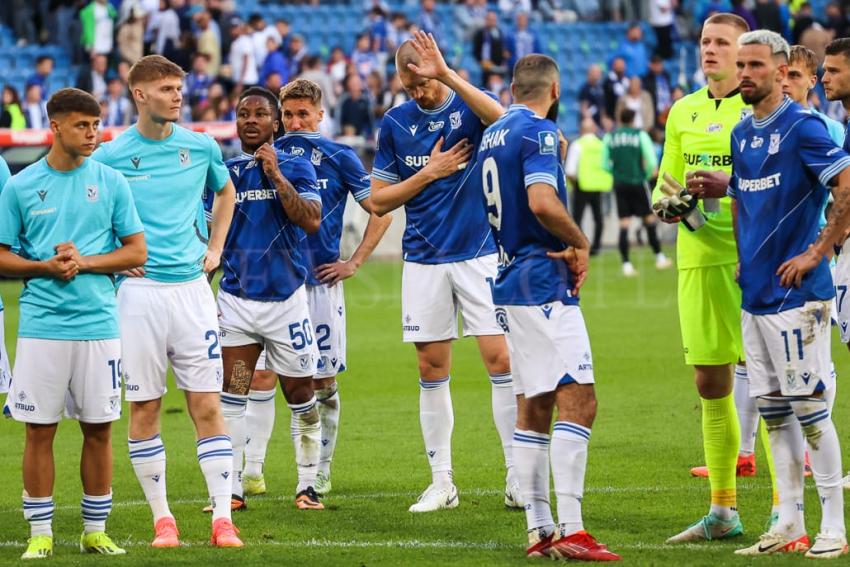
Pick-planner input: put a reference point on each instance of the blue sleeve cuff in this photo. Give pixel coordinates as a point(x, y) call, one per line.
point(546, 178)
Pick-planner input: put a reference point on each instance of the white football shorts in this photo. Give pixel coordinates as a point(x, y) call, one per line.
point(283, 328)
point(789, 352)
point(5, 371)
point(80, 378)
point(433, 294)
point(162, 322)
point(841, 279)
point(549, 346)
point(327, 313)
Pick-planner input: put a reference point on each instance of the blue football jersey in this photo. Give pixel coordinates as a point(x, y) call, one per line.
point(261, 258)
point(781, 166)
point(517, 151)
point(338, 173)
point(445, 222)
point(5, 174)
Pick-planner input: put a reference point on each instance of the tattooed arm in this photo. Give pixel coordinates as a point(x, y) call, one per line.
point(303, 212)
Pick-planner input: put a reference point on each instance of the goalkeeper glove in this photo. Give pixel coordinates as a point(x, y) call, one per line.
point(678, 203)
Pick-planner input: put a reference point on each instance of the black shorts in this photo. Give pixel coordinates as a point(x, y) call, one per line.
point(632, 200)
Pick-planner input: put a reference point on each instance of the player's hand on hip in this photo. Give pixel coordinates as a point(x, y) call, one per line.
point(267, 157)
point(432, 65)
point(62, 266)
point(707, 184)
point(577, 260)
point(444, 163)
point(134, 272)
point(335, 271)
point(792, 271)
point(212, 259)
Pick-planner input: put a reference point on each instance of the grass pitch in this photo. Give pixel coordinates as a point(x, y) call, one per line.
point(646, 436)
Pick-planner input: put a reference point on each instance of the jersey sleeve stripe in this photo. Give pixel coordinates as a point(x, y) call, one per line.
point(730, 192)
point(310, 197)
point(385, 176)
point(362, 194)
point(546, 178)
point(827, 174)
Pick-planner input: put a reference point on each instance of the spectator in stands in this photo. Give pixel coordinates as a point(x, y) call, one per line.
point(394, 93)
point(616, 84)
point(835, 20)
point(363, 58)
point(555, 10)
point(164, 27)
point(34, 107)
point(98, 25)
point(657, 83)
point(119, 108)
point(488, 47)
point(209, 40)
point(275, 62)
point(199, 80)
point(93, 78)
point(297, 52)
point(633, 51)
point(739, 8)
point(260, 35)
point(397, 31)
point(43, 69)
point(803, 20)
point(181, 53)
point(638, 101)
point(243, 65)
point(282, 27)
point(355, 113)
point(469, 18)
point(130, 39)
point(591, 97)
point(662, 18)
point(337, 65)
point(429, 21)
point(12, 116)
point(375, 91)
point(768, 15)
point(377, 28)
point(512, 7)
point(273, 82)
point(521, 42)
point(589, 178)
point(313, 71)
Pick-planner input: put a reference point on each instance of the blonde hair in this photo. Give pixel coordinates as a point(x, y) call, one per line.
point(301, 89)
point(153, 68)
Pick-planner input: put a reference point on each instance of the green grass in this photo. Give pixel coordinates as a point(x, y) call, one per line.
point(646, 435)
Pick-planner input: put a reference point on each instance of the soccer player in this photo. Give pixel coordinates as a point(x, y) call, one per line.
point(782, 161)
point(630, 157)
point(696, 153)
point(5, 372)
point(543, 263)
point(801, 78)
point(423, 163)
point(68, 212)
point(339, 173)
point(167, 310)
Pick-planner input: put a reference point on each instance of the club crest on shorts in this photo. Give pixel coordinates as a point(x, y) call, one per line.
point(91, 193)
point(502, 319)
point(455, 120)
point(773, 146)
point(304, 361)
point(185, 158)
point(316, 157)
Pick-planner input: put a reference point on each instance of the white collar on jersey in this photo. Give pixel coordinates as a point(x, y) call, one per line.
point(767, 120)
point(302, 134)
point(440, 108)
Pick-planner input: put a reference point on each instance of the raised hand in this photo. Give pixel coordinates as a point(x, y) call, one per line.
point(267, 157)
point(432, 64)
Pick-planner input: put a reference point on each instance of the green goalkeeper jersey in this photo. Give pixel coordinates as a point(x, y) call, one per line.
point(698, 137)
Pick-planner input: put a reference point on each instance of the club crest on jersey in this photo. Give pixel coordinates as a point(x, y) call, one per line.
point(91, 193)
point(185, 158)
point(548, 143)
point(136, 160)
point(773, 145)
point(42, 195)
point(455, 120)
point(757, 142)
point(434, 126)
point(316, 157)
point(746, 112)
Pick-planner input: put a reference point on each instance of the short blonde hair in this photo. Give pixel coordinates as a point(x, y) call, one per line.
point(153, 68)
point(301, 89)
point(806, 57)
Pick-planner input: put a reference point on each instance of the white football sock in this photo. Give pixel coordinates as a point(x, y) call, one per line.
point(328, 407)
point(748, 413)
point(95, 511)
point(259, 423)
point(233, 411)
point(504, 415)
point(148, 459)
point(39, 513)
point(531, 462)
point(215, 455)
point(568, 456)
point(436, 418)
point(829, 393)
point(825, 458)
point(306, 429)
point(786, 445)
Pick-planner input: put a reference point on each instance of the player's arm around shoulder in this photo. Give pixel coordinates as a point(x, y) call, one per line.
point(303, 205)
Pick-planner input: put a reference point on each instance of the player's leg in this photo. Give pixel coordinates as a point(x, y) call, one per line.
point(195, 355)
point(5, 369)
point(429, 319)
point(142, 306)
point(712, 339)
point(39, 473)
point(259, 421)
point(595, 200)
point(306, 431)
point(842, 306)
point(95, 385)
point(624, 214)
point(650, 223)
point(327, 398)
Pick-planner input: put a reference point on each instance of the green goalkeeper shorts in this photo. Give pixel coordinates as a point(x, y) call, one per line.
point(710, 315)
